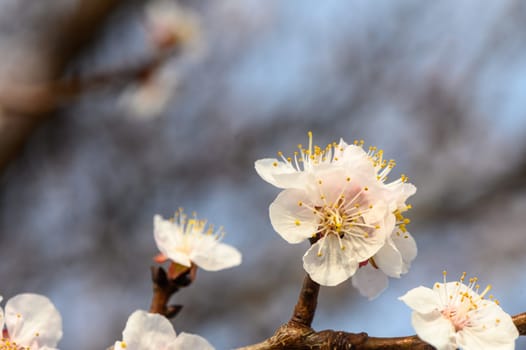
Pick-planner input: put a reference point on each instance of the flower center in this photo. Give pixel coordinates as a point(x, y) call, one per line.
point(459, 318)
point(345, 216)
point(7, 344)
point(461, 300)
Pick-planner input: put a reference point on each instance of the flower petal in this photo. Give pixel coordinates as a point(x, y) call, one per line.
point(422, 299)
point(192, 341)
point(270, 170)
point(468, 340)
point(211, 255)
point(369, 281)
point(400, 191)
point(406, 245)
point(168, 237)
point(292, 221)
point(329, 264)
point(389, 259)
point(33, 318)
point(434, 329)
point(367, 246)
point(146, 331)
point(486, 331)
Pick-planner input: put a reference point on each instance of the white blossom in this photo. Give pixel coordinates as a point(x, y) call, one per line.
point(188, 240)
point(454, 315)
point(146, 331)
point(30, 322)
point(334, 197)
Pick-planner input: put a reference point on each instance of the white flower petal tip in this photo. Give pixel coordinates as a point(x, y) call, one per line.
point(455, 315)
point(338, 196)
point(32, 322)
point(187, 240)
point(147, 331)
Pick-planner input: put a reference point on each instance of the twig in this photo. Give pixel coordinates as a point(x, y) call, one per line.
point(164, 288)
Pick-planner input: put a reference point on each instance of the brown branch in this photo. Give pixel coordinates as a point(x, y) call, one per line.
point(164, 287)
point(307, 301)
point(298, 335)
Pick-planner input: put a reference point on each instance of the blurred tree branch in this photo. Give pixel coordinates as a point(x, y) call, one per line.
point(24, 100)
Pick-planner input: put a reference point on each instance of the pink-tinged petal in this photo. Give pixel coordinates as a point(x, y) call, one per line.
point(327, 183)
point(369, 281)
point(422, 300)
point(292, 221)
point(389, 259)
point(270, 170)
point(328, 263)
point(434, 329)
point(192, 341)
point(33, 319)
point(146, 331)
point(212, 255)
point(406, 245)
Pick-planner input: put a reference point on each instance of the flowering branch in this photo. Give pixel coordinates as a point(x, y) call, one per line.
point(298, 335)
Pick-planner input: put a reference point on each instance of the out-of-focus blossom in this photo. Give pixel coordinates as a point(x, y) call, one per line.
point(170, 24)
point(188, 241)
point(146, 331)
point(147, 98)
point(31, 322)
point(454, 315)
point(333, 197)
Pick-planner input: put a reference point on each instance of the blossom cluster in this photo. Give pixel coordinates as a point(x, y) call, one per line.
point(338, 197)
point(454, 315)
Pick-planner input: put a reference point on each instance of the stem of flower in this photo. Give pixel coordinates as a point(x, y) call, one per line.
point(307, 301)
point(164, 287)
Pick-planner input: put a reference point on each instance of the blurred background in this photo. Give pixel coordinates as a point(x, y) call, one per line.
point(112, 111)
